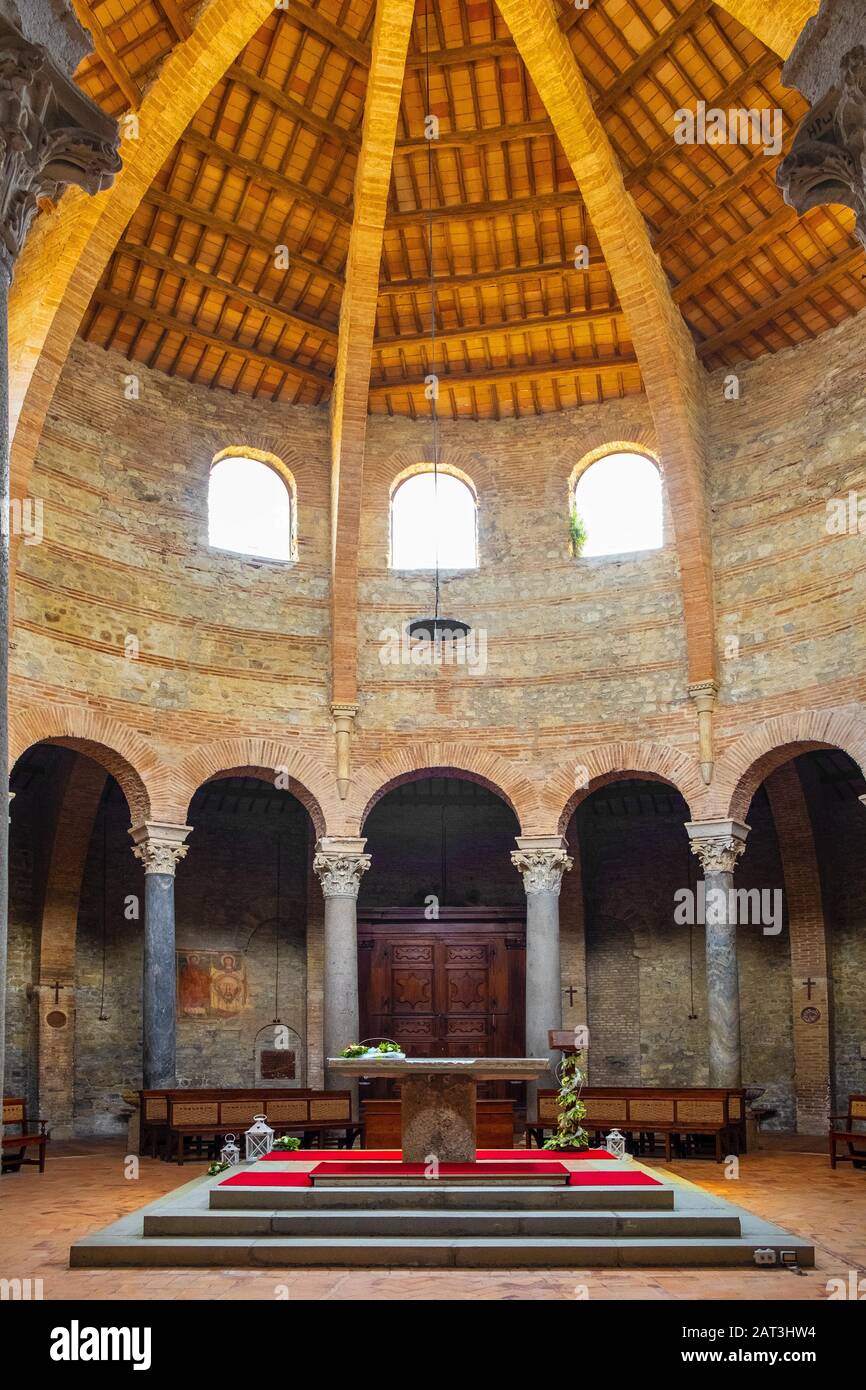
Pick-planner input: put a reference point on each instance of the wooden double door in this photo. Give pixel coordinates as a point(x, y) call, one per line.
point(453, 987)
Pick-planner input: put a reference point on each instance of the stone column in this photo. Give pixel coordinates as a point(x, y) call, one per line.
point(542, 860)
point(160, 847)
point(340, 864)
point(718, 845)
point(51, 135)
point(828, 65)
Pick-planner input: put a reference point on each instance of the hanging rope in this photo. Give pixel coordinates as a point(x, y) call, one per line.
point(277, 935)
point(103, 1016)
point(434, 411)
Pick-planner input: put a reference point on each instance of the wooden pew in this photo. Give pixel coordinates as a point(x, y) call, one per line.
point(494, 1120)
point(173, 1118)
point(854, 1139)
point(15, 1146)
point(674, 1112)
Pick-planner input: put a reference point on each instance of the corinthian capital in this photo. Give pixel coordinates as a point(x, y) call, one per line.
point(542, 860)
point(718, 844)
point(159, 846)
point(340, 865)
point(51, 135)
point(827, 159)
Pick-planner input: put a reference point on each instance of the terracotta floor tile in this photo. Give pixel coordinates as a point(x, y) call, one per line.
point(40, 1216)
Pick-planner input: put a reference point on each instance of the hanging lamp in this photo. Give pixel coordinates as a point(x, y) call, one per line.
point(434, 629)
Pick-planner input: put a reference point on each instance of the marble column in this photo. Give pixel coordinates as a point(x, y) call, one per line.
point(718, 845)
point(51, 135)
point(160, 847)
point(340, 864)
point(826, 161)
point(542, 860)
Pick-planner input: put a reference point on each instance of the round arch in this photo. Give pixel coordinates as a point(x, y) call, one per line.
point(757, 753)
point(117, 749)
point(594, 767)
point(452, 760)
point(266, 759)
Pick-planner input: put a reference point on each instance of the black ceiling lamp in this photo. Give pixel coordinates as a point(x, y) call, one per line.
point(435, 629)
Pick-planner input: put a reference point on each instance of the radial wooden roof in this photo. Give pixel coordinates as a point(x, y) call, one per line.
point(269, 161)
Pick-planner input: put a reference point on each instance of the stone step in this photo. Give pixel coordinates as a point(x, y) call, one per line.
point(521, 1197)
point(368, 1222)
point(469, 1252)
point(467, 1180)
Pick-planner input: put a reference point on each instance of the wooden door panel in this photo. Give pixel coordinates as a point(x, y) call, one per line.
point(453, 992)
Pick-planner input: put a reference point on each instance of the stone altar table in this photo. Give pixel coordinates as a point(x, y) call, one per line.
point(438, 1096)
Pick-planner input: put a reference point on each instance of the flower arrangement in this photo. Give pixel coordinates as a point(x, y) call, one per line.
point(382, 1049)
point(218, 1166)
point(287, 1142)
point(570, 1134)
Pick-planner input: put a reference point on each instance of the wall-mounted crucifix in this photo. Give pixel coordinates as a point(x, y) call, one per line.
point(571, 991)
point(809, 983)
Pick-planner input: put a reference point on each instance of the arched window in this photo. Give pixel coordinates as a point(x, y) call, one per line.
point(430, 513)
point(618, 503)
point(249, 509)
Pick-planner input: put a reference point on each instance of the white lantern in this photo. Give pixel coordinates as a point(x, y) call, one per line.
point(615, 1144)
point(230, 1153)
point(260, 1138)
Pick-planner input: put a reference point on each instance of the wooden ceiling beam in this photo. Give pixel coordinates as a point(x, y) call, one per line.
point(777, 24)
point(529, 371)
point(170, 265)
point(497, 207)
point(291, 107)
point(350, 397)
point(310, 18)
point(271, 178)
point(739, 250)
point(490, 135)
point(844, 264)
point(672, 375)
point(755, 165)
point(201, 217)
point(106, 52)
point(731, 94)
point(465, 53)
point(623, 84)
point(524, 324)
point(176, 18)
point(503, 275)
point(172, 324)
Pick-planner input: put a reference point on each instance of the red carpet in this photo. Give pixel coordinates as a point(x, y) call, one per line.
point(267, 1180)
point(385, 1170)
point(616, 1177)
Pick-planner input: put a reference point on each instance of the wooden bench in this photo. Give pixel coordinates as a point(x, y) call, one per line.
point(15, 1146)
point(494, 1121)
point(203, 1117)
point(679, 1113)
point(854, 1139)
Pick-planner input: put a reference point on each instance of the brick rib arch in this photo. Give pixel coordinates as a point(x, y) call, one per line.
point(251, 757)
point(437, 760)
point(745, 765)
point(593, 767)
point(68, 249)
point(777, 24)
point(123, 753)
